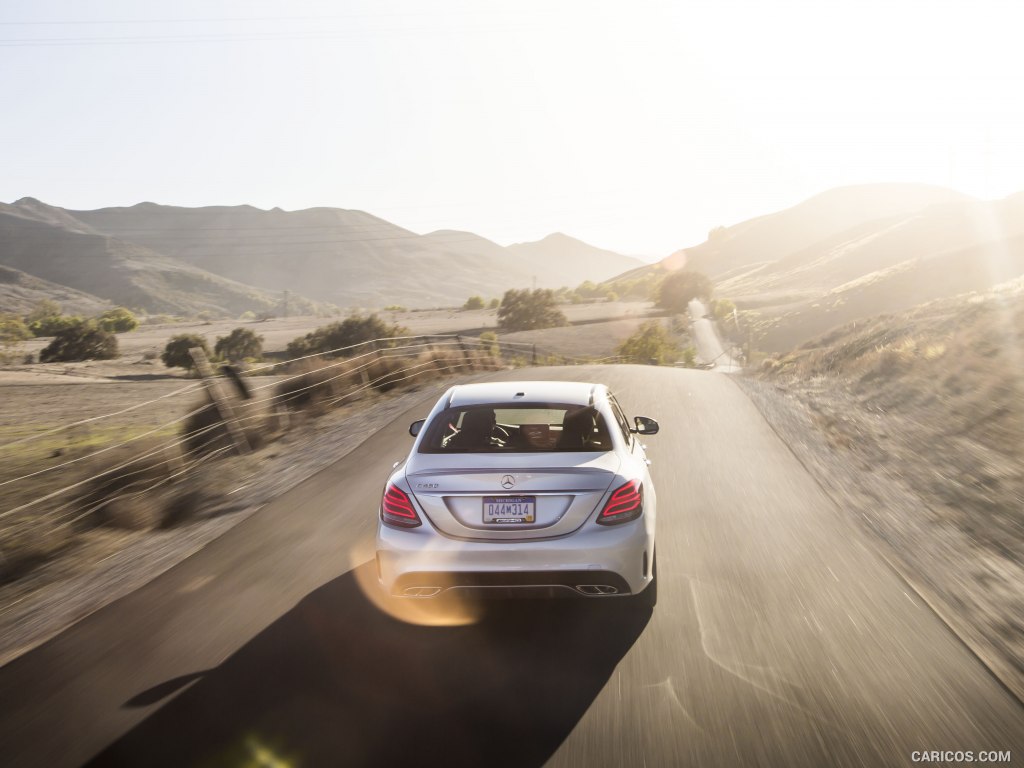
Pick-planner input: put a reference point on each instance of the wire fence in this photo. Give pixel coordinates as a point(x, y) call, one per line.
point(66, 486)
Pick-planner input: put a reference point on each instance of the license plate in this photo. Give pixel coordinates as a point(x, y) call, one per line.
point(510, 509)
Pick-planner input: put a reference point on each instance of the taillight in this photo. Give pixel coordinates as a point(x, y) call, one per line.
point(626, 503)
point(396, 508)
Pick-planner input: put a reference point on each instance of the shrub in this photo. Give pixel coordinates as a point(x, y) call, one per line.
point(248, 316)
point(176, 353)
point(722, 309)
point(239, 344)
point(82, 341)
point(53, 324)
point(650, 344)
point(474, 302)
point(490, 343)
point(680, 288)
point(527, 310)
point(352, 330)
point(13, 330)
point(44, 309)
point(117, 320)
point(494, 304)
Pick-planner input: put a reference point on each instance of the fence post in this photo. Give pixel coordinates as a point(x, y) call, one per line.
point(534, 362)
point(364, 374)
point(462, 346)
point(221, 403)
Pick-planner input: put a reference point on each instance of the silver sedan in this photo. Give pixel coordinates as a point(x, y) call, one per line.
point(522, 488)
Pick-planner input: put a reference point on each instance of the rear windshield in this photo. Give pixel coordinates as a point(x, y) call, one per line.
point(517, 428)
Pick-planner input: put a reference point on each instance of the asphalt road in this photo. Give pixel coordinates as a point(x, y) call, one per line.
point(780, 637)
point(705, 338)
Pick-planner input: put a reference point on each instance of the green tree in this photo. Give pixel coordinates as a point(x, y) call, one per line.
point(240, 344)
point(117, 320)
point(494, 304)
point(680, 288)
point(336, 336)
point(650, 344)
point(528, 310)
point(176, 353)
point(474, 302)
point(81, 341)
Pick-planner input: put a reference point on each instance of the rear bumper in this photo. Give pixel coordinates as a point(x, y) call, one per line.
point(594, 561)
point(511, 584)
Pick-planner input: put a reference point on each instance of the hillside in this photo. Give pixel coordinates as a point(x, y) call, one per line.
point(882, 244)
point(936, 253)
point(560, 259)
point(823, 221)
point(852, 253)
point(905, 285)
point(20, 292)
point(117, 271)
point(351, 258)
point(775, 236)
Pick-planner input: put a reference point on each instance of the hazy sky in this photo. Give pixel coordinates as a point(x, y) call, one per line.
point(634, 125)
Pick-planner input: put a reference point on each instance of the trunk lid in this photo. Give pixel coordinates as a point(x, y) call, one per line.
point(564, 489)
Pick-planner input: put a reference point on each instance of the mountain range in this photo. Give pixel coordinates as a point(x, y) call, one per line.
point(226, 260)
point(845, 254)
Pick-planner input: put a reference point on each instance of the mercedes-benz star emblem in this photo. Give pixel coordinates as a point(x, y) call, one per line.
point(507, 481)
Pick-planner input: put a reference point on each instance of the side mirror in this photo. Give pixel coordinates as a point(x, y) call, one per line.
point(645, 426)
point(416, 426)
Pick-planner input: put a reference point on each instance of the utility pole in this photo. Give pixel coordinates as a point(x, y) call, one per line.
point(285, 303)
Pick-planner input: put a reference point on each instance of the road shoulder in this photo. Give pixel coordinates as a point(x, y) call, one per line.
point(932, 556)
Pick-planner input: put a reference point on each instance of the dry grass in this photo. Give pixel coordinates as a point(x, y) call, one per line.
point(935, 398)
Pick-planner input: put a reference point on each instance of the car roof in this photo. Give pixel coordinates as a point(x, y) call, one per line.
point(568, 392)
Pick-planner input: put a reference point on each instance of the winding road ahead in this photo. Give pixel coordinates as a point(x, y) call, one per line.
point(780, 638)
point(705, 339)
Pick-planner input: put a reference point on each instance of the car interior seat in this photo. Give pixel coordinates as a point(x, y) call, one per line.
point(476, 431)
point(577, 430)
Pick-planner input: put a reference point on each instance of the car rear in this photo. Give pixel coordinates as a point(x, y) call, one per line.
point(539, 502)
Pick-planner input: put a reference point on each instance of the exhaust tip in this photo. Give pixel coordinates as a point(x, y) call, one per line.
point(595, 590)
point(421, 591)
